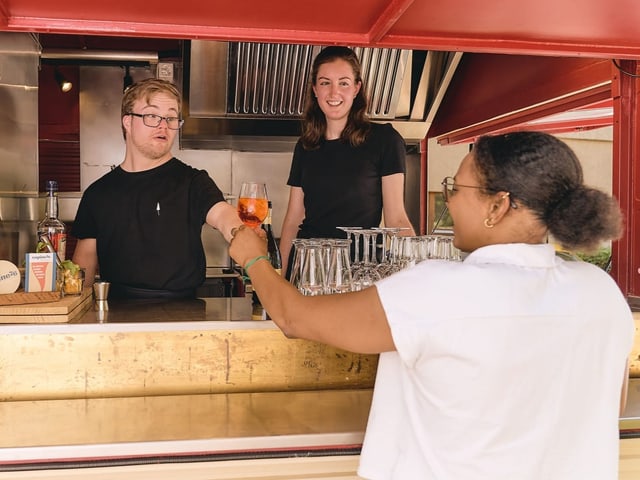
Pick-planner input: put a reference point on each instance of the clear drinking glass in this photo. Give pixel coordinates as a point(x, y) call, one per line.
point(407, 252)
point(441, 247)
point(297, 250)
point(326, 244)
point(339, 278)
point(313, 279)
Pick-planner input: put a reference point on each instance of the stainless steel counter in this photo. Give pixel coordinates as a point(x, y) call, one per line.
point(223, 425)
point(156, 315)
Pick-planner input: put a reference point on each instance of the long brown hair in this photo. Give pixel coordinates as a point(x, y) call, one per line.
point(314, 122)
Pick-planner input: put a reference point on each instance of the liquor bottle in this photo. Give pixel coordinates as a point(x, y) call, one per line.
point(272, 246)
point(273, 252)
point(51, 225)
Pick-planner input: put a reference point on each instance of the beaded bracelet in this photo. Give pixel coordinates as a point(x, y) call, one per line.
point(254, 260)
point(235, 230)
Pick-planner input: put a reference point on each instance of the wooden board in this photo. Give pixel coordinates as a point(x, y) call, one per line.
point(60, 311)
point(22, 297)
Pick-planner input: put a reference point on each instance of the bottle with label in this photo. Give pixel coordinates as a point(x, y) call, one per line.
point(273, 251)
point(52, 226)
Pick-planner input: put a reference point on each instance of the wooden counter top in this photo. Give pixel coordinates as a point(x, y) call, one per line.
point(148, 348)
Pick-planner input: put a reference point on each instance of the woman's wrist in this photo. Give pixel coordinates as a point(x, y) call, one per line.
point(253, 260)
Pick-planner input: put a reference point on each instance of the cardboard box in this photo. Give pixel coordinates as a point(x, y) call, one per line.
point(40, 272)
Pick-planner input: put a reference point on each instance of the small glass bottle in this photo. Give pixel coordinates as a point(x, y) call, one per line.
point(51, 225)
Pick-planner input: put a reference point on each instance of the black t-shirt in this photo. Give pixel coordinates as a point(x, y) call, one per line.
point(148, 225)
point(342, 184)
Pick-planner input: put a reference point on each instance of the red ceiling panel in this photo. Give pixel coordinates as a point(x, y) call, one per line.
point(534, 20)
point(240, 20)
point(566, 27)
point(491, 92)
point(552, 27)
point(246, 14)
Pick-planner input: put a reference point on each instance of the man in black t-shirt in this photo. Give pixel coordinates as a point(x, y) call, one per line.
point(140, 224)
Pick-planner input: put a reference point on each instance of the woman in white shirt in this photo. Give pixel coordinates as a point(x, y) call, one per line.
point(509, 365)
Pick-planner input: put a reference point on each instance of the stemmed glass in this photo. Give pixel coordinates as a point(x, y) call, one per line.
point(387, 265)
point(253, 203)
point(355, 232)
point(366, 274)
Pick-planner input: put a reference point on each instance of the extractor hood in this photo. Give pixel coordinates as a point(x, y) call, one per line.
point(239, 94)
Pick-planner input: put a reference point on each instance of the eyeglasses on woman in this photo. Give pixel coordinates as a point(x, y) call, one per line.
point(450, 188)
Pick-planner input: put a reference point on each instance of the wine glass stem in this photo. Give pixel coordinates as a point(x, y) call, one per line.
point(366, 245)
point(393, 246)
point(384, 247)
point(356, 246)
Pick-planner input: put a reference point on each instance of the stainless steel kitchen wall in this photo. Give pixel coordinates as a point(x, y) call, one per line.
point(19, 56)
point(102, 147)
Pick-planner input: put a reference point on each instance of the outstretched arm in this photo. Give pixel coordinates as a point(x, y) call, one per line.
point(223, 217)
point(353, 321)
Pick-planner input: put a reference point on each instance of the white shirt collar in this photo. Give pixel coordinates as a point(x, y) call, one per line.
point(539, 255)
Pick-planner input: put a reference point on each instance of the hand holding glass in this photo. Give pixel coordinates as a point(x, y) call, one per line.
point(252, 203)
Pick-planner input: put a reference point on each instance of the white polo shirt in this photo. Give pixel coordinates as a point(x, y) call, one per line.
point(509, 365)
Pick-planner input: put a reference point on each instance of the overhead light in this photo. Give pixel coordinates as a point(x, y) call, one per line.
point(64, 84)
point(86, 57)
point(128, 81)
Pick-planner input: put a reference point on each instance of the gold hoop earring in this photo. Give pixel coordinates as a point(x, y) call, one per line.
point(487, 224)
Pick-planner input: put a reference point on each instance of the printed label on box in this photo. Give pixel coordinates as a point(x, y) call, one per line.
point(40, 272)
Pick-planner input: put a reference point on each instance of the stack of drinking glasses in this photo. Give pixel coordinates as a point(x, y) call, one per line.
point(412, 250)
point(322, 265)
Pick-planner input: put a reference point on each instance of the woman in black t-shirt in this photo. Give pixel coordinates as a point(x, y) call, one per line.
point(346, 171)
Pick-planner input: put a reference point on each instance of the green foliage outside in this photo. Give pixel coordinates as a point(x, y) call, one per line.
point(600, 258)
point(443, 218)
